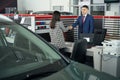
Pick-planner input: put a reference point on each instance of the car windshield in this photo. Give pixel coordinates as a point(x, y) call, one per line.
point(21, 51)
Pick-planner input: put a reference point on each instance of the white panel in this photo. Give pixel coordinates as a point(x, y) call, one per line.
point(98, 1)
point(20, 5)
point(115, 8)
point(109, 13)
point(42, 5)
point(37, 5)
point(64, 3)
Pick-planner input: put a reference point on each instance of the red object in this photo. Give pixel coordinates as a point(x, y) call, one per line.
point(37, 23)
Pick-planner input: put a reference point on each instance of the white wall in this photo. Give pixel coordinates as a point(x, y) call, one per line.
point(37, 5)
point(115, 8)
point(34, 5)
point(98, 1)
point(42, 5)
point(20, 6)
point(64, 3)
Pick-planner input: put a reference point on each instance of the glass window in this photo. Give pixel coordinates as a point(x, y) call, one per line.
point(21, 48)
point(98, 9)
point(59, 8)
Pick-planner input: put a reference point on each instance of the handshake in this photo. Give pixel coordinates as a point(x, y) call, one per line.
point(70, 27)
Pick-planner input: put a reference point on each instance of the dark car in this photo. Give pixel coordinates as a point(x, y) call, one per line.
point(26, 56)
point(51, 12)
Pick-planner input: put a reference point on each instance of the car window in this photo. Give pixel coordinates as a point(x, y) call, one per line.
point(21, 48)
point(1, 40)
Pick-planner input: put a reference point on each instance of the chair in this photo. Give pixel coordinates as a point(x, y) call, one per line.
point(99, 36)
point(79, 51)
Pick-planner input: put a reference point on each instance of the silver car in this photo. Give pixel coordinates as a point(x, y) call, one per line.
point(51, 12)
point(26, 56)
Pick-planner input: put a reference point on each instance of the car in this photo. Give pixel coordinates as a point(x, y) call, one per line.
point(26, 56)
point(51, 12)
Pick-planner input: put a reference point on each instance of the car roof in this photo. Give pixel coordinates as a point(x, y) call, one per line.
point(50, 12)
point(5, 18)
point(42, 12)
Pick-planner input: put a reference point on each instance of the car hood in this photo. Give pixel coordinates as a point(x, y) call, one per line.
point(77, 71)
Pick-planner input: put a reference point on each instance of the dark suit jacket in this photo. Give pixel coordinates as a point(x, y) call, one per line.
point(87, 26)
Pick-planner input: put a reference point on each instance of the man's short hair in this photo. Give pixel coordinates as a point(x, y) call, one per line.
point(85, 6)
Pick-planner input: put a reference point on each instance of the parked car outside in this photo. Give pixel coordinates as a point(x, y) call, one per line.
point(26, 56)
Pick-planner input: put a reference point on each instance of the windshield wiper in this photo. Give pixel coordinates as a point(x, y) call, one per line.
point(39, 75)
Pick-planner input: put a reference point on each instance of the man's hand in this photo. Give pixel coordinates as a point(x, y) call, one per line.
point(70, 27)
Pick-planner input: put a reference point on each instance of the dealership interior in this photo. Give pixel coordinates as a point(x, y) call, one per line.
point(102, 47)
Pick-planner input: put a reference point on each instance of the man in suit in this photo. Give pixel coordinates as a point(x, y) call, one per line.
point(85, 21)
point(85, 25)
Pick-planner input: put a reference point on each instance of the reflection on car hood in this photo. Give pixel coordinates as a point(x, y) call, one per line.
point(4, 18)
point(76, 71)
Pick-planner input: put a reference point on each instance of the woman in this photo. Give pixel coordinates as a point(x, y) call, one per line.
point(56, 32)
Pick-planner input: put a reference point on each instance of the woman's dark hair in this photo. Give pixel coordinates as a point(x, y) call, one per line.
point(55, 17)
